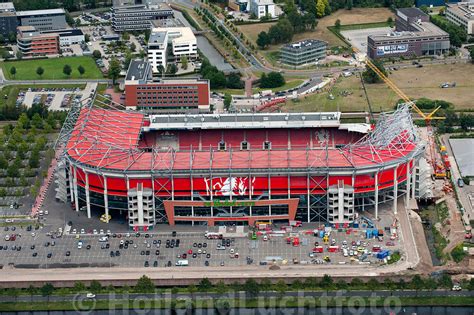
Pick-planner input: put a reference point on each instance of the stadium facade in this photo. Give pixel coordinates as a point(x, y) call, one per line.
point(233, 168)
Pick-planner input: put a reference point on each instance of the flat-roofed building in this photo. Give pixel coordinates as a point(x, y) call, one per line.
point(462, 14)
point(165, 95)
point(303, 52)
point(68, 37)
point(33, 43)
point(43, 20)
point(414, 36)
point(262, 8)
point(133, 15)
point(8, 20)
point(157, 50)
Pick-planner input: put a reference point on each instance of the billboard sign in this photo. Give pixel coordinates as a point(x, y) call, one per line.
point(391, 49)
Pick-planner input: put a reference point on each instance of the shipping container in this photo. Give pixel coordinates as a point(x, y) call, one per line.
point(383, 254)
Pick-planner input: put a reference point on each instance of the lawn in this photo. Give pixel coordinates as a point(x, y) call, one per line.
point(53, 69)
point(354, 16)
point(290, 83)
point(415, 82)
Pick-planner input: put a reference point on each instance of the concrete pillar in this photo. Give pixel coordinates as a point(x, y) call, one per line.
point(408, 180)
point(395, 190)
point(76, 196)
point(376, 196)
point(88, 199)
point(71, 183)
point(106, 201)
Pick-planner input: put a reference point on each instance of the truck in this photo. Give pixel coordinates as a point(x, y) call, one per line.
point(383, 254)
point(333, 249)
point(296, 223)
point(182, 263)
point(213, 235)
point(296, 241)
point(318, 249)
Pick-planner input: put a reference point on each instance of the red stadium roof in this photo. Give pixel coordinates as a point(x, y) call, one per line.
point(108, 139)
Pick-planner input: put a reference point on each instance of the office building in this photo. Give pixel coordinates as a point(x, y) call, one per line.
point(43, 20)
point(414, 36)
point(8, 20)
point(303, 53)
point(158, 50)
point(462, 14)
point(68, 37)
point(262, 8)
point(133, 15)
point(33, 43)
point(182, 41)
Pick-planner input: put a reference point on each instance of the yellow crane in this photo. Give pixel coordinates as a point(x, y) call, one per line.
point(439, 169)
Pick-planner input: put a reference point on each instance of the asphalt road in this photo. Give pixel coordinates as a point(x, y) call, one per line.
point(267, 294)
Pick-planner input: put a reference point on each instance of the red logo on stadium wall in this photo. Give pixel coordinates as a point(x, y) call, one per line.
point(229, 186)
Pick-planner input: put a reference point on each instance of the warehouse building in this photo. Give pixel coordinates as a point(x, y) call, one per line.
point(414, 36)
point(303, 53)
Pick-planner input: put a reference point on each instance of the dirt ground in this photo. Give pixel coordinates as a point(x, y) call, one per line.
point(354, 16)
point(415, 82)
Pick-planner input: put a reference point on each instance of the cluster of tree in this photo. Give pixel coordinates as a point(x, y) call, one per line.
point(218, 79)
point(471, 53)
point(271, 80)
point(370, 76)
point(292, 23)
point(69, 5)
point(457, 34)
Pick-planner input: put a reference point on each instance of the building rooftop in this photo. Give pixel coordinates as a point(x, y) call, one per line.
point(264, 2)
point(7, 7)
point(177, 34)
point(139, 70)
point(40, 12)
point(304, 44)
point(411, 12)
point(462, 9)
point(157, 37)
point(424, 29)
point(243, 121)
point(66, 32)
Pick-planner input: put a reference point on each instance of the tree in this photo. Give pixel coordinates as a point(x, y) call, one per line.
point(81, 70)
point(39, 71)
point(234, 81)
point(326, 282)
point(320, 8)
point(67, 70)
point(87, 38)
point(227, 101)
point(133, 47)
point(251, 287)
point(431, 284)
point(125, 36)
point(96, 54)
point(3, 162)
point(221, 288)
point(372, 284)
point(13, 71)
point(272, 80)
point(144, 285)
point(95, 286)
point(19, 55)
point(184, 62)
point(337, 24)
point(471, 53)
point(281, 287)
point(417, 283)
point(425, 9)
point(114, 69)
point(370, 76)
point(263, 40)
point(172, 69)
point(2, 39)
point(390, 21)
point(47, 289)
point(204, 285)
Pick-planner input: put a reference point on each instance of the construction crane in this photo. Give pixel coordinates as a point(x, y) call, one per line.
point(440, 170)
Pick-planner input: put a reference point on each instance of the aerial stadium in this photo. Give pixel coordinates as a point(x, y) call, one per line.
point(214, 169)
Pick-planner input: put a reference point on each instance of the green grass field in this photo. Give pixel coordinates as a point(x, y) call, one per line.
point(53, 69)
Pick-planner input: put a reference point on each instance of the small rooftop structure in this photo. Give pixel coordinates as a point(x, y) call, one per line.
point(158, 37)
point(40, 12)
point(7, 7)
point(138, 70)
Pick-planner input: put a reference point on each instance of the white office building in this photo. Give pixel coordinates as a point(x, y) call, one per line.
point(182, 41)
point(462, 14)
point(157, 49)
point(262, 8)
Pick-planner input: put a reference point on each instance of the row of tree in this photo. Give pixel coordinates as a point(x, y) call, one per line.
point(253, 288)
point(457, 34)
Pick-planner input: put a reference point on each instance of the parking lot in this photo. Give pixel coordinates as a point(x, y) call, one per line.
point(151, 250)
point(358, 38)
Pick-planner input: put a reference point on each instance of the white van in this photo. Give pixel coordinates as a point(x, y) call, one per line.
point(182, 262)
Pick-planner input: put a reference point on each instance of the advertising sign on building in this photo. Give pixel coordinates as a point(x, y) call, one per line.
point(391, 49)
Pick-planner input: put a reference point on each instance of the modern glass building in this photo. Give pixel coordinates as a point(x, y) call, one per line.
point(303, 52)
